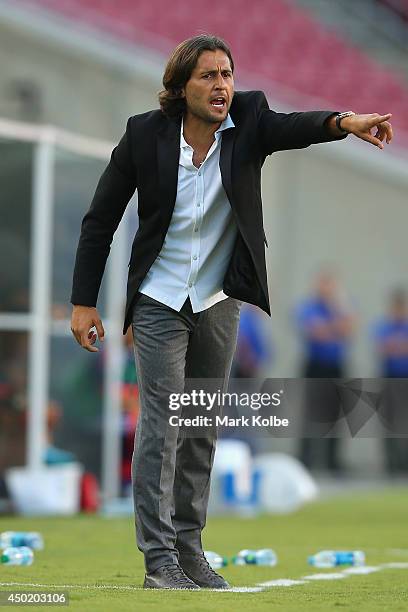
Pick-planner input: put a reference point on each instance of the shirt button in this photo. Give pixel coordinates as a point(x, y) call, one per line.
point(195, 257)
point(198, 204)
point(196, 229)
point(190, 284)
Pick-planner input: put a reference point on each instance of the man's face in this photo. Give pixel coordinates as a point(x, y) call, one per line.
point(210, 89)
point(327, 287)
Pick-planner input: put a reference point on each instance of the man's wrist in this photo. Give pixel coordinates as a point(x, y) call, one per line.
point(343, 120)
point(332, 127)
point(332, 124)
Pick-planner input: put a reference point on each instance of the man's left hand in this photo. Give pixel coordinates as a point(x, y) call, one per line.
point(362, 126)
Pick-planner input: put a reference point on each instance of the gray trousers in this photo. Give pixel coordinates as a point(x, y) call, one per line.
point(171, 472)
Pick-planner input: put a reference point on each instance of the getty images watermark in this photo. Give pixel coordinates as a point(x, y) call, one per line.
point(213, 401)
point(287, 407)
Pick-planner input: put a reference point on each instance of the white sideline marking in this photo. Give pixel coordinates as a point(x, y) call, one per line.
point(281, 582)
point(114, 587)
point(123, 587)
point(329, 576)
point(261, 586)
point(255, 589)
point(363, 569)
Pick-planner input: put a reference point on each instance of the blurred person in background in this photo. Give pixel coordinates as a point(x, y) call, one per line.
point(198, 254)
point(13, 433)
point(254, 352)
point(326, 324)
point(391, 340)
point(254, 345)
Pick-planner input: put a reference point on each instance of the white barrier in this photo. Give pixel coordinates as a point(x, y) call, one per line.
point(45, 491)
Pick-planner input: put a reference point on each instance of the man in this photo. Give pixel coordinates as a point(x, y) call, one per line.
point(197, 255)
point(327, 324)
point(391, 339)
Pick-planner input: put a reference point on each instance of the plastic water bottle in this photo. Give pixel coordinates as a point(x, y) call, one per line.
point(215, 560)
point(332, 558)
point(263, 556)
point(32, 539)
point(17, 555)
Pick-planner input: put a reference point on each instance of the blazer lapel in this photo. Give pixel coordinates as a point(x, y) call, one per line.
point(168, 154)
point(227, 145)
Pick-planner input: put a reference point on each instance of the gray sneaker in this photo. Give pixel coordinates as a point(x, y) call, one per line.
point(168, 577)
point(196, 567)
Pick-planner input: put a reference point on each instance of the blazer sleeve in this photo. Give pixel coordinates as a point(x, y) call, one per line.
point(284, 131)
point(115, 187)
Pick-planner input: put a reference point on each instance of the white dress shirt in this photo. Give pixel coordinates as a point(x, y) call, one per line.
point(201, 234)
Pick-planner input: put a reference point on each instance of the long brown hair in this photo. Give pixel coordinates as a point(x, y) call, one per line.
point(180, 66)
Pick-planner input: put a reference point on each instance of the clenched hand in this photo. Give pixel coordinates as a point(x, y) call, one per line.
point(82, 320)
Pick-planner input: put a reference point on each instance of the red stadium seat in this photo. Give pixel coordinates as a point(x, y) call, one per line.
point(278, 41)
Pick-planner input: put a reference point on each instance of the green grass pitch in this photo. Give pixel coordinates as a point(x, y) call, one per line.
point(97, 558)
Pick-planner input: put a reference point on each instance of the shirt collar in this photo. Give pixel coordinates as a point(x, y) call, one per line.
point(225, 125)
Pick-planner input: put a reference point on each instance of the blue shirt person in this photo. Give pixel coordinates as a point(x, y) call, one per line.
point(326, 324)
point(391, 340)
point(254, 345)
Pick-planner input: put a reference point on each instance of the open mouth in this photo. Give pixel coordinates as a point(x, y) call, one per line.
point(218, 102)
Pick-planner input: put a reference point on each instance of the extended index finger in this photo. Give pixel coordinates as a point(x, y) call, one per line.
point(380, 118)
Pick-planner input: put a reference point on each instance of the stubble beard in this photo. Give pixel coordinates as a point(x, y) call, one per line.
point(206, 116)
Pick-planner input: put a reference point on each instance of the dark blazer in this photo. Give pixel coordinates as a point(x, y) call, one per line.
point(147, 159)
